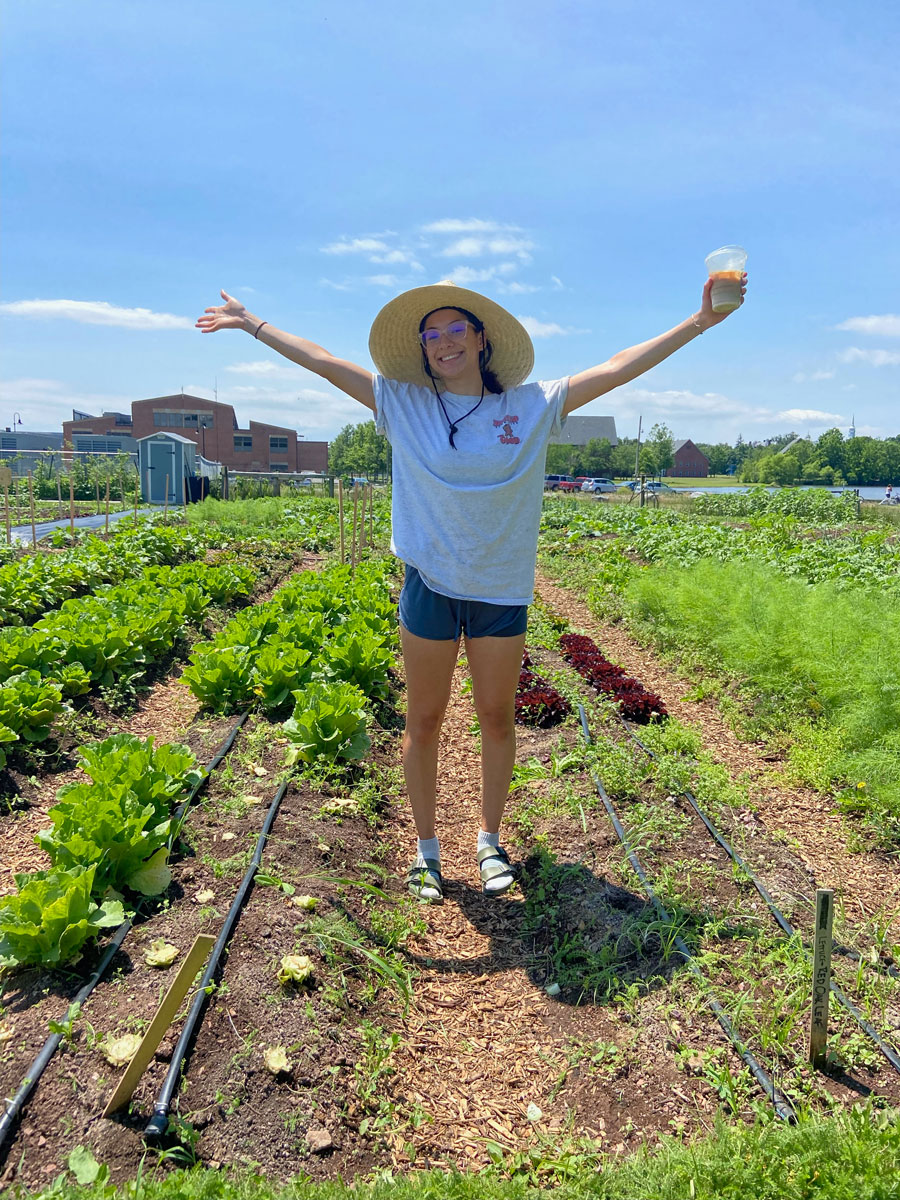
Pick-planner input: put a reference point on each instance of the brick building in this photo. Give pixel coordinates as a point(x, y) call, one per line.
point(213, 427)
point(689, 461)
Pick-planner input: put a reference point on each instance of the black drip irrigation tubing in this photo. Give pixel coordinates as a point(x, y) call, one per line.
point(783, 1107)
point(890, 1054)
point(158, 1124)
point(51, 1045)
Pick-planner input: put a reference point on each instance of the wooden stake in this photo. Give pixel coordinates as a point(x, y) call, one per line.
point(166, 501)
point(372, 515)
point(72, 505)
point(97, 490)
point(821, 983)
point(6, 513)
point(341, 515)
point(107, 505)
point(59, 493)
point(165, 1014)
point(137, 488)
point(31, 507)
point(353, 530)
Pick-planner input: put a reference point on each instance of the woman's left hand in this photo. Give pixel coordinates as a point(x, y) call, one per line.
point(706, 316)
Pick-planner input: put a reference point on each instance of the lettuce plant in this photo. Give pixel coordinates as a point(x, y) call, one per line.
point(329, 722)
point(51, 917)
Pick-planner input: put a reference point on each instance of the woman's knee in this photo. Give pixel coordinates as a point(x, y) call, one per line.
point(497, 721)
point(423, 727)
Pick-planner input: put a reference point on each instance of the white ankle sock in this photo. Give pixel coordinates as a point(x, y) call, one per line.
point(500, 882)
point(428, 848)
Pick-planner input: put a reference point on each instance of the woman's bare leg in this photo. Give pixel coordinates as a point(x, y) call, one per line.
point(495, 663)
point(429, 672)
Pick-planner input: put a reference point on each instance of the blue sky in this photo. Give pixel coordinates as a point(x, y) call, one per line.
point(575, 161)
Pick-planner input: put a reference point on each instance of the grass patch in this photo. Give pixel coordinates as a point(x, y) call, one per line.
point(854, 1155)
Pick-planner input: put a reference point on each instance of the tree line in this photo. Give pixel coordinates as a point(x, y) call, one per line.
point(787, 459)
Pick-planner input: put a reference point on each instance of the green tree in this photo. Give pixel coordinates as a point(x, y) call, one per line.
point(659, 441)
point(831, 448)
point(359, 450)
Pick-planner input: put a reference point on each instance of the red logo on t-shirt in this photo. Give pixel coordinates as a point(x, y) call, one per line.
point(507, 437)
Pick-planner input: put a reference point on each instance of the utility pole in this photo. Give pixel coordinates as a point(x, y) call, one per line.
point(637, 453)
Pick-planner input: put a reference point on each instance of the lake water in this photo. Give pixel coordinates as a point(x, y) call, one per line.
point(865, 493)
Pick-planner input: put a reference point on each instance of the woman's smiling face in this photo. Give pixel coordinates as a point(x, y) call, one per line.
point(452, 346)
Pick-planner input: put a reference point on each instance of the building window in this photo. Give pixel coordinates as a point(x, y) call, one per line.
point(278, 466)
point(168, 420)
point(122, 419)
point(243, 441)
point(8, 443)
point(278, 443)
point(190, 420)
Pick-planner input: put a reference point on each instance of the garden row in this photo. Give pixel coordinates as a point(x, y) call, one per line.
point(848, 558)
point(34, 582)
point(110, 638)
point(111, 838)
point(812, 666)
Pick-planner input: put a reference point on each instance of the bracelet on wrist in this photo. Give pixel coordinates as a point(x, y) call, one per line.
point(694, 321)
point(259, 327)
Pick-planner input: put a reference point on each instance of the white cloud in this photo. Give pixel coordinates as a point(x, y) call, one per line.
point(874, 358)
point(477, 247)
point(542, 329)
point(812, 376)
point(96, 312)
point(270, 370)
point(319, 415)
point(810, 416)
point(691, 404)
point(357, 246)
point(45, 403)
point(515, 288)
point(887, 325)
point(557, 283)
point(337, 287)
point(389, 281)
point(469, 225)
point(398, 256)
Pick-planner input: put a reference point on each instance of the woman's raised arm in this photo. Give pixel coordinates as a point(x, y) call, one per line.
point(354, 380)
point(628, 364)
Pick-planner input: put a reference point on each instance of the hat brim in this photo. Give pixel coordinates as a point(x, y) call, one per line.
point(394, 338)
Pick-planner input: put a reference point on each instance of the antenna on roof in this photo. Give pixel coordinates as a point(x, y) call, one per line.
point(216, 388)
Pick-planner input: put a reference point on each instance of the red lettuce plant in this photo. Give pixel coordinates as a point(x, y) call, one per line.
point(635, 702)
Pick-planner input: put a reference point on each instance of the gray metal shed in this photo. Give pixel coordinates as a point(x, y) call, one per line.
point(162, 457)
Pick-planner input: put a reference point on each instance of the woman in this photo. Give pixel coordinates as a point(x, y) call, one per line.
point(469, 443)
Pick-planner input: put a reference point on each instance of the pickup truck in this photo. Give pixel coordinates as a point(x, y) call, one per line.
point(560, 483)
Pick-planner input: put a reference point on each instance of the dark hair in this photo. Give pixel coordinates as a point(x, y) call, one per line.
point(490, 380)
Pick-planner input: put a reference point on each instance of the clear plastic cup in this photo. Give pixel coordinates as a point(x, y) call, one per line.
point(726, 270)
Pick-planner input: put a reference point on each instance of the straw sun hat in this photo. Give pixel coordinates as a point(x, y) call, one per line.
point(394, 339)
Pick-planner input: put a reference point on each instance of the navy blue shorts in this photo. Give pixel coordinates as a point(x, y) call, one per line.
point(428, 614)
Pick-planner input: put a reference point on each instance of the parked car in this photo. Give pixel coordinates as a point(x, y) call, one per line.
point(598, 485)
point(651, 485)
point(560, 483)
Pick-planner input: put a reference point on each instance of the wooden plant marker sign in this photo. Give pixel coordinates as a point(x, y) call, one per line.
point(168, 1007)
point(821, 980)
point(5, 481)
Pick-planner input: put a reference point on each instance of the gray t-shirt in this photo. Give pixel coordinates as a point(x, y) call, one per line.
point(468, 518)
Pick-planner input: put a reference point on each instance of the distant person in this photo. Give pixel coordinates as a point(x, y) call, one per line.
point(889, 494)
point(469, 440)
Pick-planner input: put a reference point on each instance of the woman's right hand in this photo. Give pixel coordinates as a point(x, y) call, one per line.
point(230, 315)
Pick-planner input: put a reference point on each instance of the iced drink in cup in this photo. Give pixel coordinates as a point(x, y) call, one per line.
point(726, 270)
